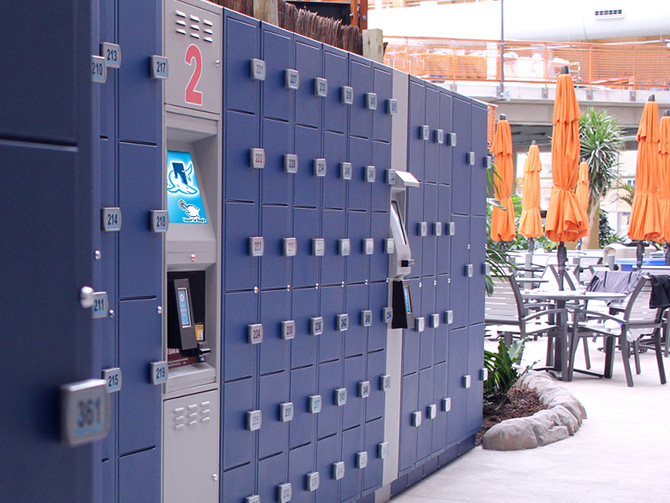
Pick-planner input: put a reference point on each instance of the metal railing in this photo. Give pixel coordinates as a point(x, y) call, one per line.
point(619, 66)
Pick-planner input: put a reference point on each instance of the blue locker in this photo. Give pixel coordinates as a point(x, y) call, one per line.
point(333, 264)
point(107, 104)
point(303, 427)
point(360, 189)
point(445, 150)
point(140, 343)
point(429, 248)
point(411, 338)
point(241, 270)
point(439, 440)
point(271, 473)
point(276, 184)
point(374, 404)
point(352, 443)
point(239, 444)
point(479, 171)
point(427, 337)
point(478, 261)
point(354, 373)
point(273, 435)
point(309, 62)
point(457, 367)
point(378, 301)
point(140, 97)
point(373, 473)
point(302, 461)
point(278, 101)
point(307, 186)
point(305, 263)
point(334, 186)
point(140, 477)
point(109, 485)
point(330, 417)
point(276, 268)
point(379, 260)
point(444, 217)
point(383, 85)
point(336, 71)
point(242, 36)
point(414, 216)
point(358, 263)
point(240, 309)
point(331, 341)
point(475, 365)
point(460, 257)
point(417, 118)
point(242, 134)
point(356, 338)
point(275, 351)
point(461, 171)
point(425, 433)
point(408, 432)
point(139, 249)
point(329, 451)
point(238, 483)
point(381, 191)
point(361, 78)
point(442, 304)
point(433, 122)
point(303, 346)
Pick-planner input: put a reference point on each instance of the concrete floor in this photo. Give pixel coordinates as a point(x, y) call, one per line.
point(620, 454)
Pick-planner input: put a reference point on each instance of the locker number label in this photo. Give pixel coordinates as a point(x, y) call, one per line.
point(84, 411)
point(364, 389)
point(368, 246)
point(361, 459)
point(256, 246)
point(382, 450)
point(366, 318)
point(449, 317)
point(424, 132)
point(437, 228)
point(98, 70)
point(290, 163)
point(389, 246)
point(371, 101)
point(439, 135)
point(431, 411)
point(100, 306)
point(159, 221)
point(314, 404)
point(423, 228)
point(390, 176)
point(113, 379)
point(159, 372)
point(435, 320)
point(253, 499)
point(292, 79)
point(370, 174)
point(312, 481)
point(346, 170)
point(254, 420)
point(470, 158)
point(290, 246)
point(257, 67)
point(417, 418)
point(159, 67)
point(347, 95)
point(316, 325)
point(385, 382)
point(111, 219)
point(111, 53)
point(342, 322)
point(420, 323)
point(387, 314)
point(321, 87)
point(286, 412)
point(288, 329)
point(255, 333)
point(340, 396)
point(319, 167)
point(285, 492)
point(193, 58)
point(446, 404)
point(451, 137)
point(338, 470)
point(257, 158)
point(392, 106)
point(344, 246)
point(318, 247)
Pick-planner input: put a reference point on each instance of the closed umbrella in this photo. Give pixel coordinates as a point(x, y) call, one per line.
point(664, 182)
point(530, 224)
point(645, 220)
point(582, 191)
point(566, 220)
point(502, 219)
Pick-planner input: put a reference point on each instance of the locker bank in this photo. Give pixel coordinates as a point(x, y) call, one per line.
point(239, 265)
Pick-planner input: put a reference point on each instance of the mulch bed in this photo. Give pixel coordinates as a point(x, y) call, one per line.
point(522, 403)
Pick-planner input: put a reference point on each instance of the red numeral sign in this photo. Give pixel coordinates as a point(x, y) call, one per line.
point(192, 95)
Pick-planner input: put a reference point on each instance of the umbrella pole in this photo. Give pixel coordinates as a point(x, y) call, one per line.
point(562, 260)
point(639, 253)
point(531, 245)
point(667, 253)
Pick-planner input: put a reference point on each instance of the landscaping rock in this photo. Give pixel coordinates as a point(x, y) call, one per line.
point(510, 435)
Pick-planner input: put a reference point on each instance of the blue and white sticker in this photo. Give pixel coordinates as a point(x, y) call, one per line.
point(184, 201)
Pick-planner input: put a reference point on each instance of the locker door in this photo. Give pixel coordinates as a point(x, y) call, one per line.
point(444, 217)
point(478, 261)
point(329, 451)
point(352, 443)
point(429, 248)
point(358, 263)
point(377, 332)
point(140, 477)
point(140, 343)
point(479, 171)
point(278, 101)
point(331, 341)
point(379, 260)
point(383, 82)
point(445, 150)
point(239, 483)
point(356, 338)
point(373, 473)
point(408, 432)
point(417, 118)
point(332, 265)
point(303, 426)
point(303, 346)
point(362, 81)
point(276, 268)
point(305, 263)
point(459, 281)
point(241, 270)
point(271, 473)
point(241, 134)
point(334, 186)
point(273, 435)
point(107, 98)
point(241, 92)
point(433, 121)
point(302, 461)
point(381, 191)
point(414, 216)
point(239, 444)
point(276, 185)
point(442, 304)
point(330, 417)
point(240, 309)
point(139, 248)
point(427, 337)
point(309, 62)
point(439, 440)
point(307, 187)
point(336, 71)
point(461, 172)
point(411, 338)
point(354, 373)
point(359, 187)
point(275, 351)
point(425, 431)
point(375, 402)
point(475, 365)
point(457, 368)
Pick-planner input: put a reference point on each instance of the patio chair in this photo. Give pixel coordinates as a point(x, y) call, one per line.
point(508, 314)
point(636, 320)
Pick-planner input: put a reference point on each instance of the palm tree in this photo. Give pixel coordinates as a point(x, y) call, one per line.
point(601, 141)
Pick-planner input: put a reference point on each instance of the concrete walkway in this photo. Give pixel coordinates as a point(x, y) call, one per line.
point(621, 453)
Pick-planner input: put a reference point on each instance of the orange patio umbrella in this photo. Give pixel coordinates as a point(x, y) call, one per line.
point(530, 224)
point(582, 191)
point(664, 181)
point(502, 220)
point(645, 218)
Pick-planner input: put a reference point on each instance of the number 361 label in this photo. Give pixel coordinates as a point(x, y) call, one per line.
point(84, 411)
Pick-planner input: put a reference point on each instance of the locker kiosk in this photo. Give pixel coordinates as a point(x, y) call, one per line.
point(192, 174)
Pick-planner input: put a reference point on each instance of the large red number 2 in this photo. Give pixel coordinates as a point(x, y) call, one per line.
point(193, 96)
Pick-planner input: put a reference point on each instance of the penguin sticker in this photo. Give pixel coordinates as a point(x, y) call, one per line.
point(184, 200)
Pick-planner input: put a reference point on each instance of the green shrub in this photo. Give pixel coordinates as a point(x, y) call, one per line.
point(503, 374)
